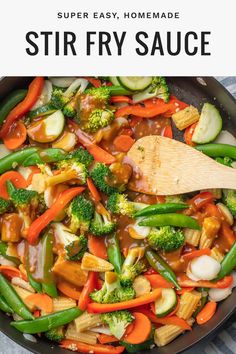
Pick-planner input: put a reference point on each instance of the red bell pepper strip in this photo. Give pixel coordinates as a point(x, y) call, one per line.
point(149, 111)
point(34, 91)
point(100, 155)
point(188, 134)
point(80, 347)
point(95, 82)
point(191, 255)
point(167, 132)
point(43, 220)
point(177, 106)
point(12, 272)
point(157, 281)
point(89, 287)
point(201, 200)
point(120, 99)
point(223, 283)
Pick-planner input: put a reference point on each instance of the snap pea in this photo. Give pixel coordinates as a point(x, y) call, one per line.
point(15, 159)
point(32, 160)
point(215, 150)
point(161, 208)
point(3, 252)
point(228, 263)
point(48, 284)
point(160, 266)
point(45, 323)
point(171, 219)
point(13, 300)
point(45, 156)
point(35, 285)
point(113, 252)
point(10, 102)
point(4, 305)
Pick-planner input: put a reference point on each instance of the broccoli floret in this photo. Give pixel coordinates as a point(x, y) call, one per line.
point(81, 155)
point(101, 225)
point(100, 94)
point(42, 207)
point(73, 169)
point(81, 211)
point(119, 204)
point(4, 205)
point(71, 108)
point(158, 89)
point(98, 119)
point(166, 238)
point(227, 161)
point(229, 198)
point(60, 98)
point(55, 334)
point(117, 321)
point(112, 291)
point(132, 266)
point(101, 174)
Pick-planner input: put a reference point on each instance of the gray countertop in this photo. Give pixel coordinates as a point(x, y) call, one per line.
point(224, 343)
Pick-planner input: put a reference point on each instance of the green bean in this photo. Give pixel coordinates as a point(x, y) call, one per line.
point(3, 252)
point(161, 208)
point(10, 102)
point(160, 266)
point(171, 219)
point(48, 283)
point(45, 156)
point(114, 254)
point(32, 160)
point(15, 159)
point(13, 299)
point(4, 305)
point(215, 150)
point(45, 323)
point(228, 263)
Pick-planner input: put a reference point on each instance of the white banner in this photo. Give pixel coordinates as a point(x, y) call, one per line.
point(72, 37)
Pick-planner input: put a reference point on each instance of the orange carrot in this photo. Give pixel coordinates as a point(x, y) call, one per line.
point(105, 338)
point(16, 136)
point(100, 155)
point(123, 143)
point(188, 134)
point(191, 255)
point(12, 272)
point(69, 290)
point(142, 300)
point(15, 177)
point(93, 190)
point(206, 313)
point(173, 320)
point(157, 281)
point(90, 348)
point(97, 246)
point(141, 331)
point(118, 99)
point(41, 301)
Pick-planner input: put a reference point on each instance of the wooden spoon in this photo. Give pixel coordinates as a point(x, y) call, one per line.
point(168, 167)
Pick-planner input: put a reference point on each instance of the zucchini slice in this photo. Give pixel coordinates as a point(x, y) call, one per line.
point(114, 80)
point(135, 83)
point(167, 302)
point(209, 125)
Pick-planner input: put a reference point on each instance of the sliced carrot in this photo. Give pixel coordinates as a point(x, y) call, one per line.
point(206, 313)
point(141, 330)
point(15, 177)
point(97, 246)
point(105, 338)
point(188, 134)
point(93, 190)
point(228, 234)
point(123, 143)
point(191, 255)
point(157, 281)
point(100, 155)
point(16, 136)
point(167, 132)
point(12, 272)
point(77, 346)
point(69, 290)
point(41, 301)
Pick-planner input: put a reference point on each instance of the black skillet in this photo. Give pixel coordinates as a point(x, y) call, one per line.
point(195, 91)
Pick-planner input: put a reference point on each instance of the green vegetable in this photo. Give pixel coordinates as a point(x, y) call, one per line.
point(71, 108)
point(48, 322)
point(119, 204)
point(203, 301)
point(160, 266)
point(3, 252)
point(161, 208)
point(114, 80)
point(209, 125)
point(80, 211)
point(13, 300)
point(166, 238)
point(158, 89)
point(15, 159)
point(228, 263)
point(114, 253)
point(135, 348)
point(229, 198)
point(101, 225)
point(4, 205)
point(10, 102)
point(117, 321)
point(61, 97)
point(215, 150)
point(227, 161)
point(178, 220)
point(33, 282)
point(135, 83)
point(48, 283)
point(42, 111)
point(112, 291)
point(82, 156)
point(55, 334)
point(71, 166)
point(101, 174)
point(45, 156)
point(166, 303)
point(4, 305)
point(98, 119)
point(133, 266)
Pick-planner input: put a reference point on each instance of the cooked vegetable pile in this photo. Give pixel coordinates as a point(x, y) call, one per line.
point(86, 261)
